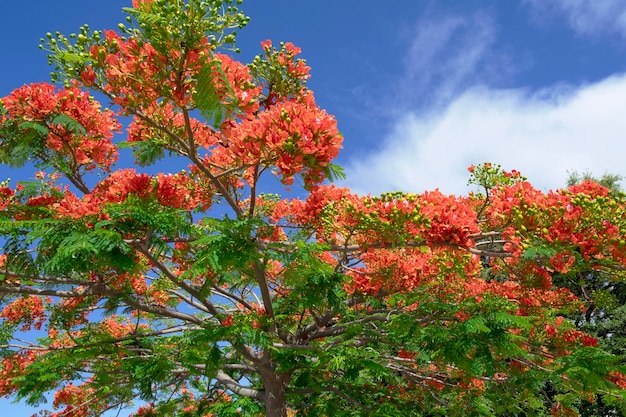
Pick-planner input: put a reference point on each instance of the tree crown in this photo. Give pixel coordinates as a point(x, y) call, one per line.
point(195, 293)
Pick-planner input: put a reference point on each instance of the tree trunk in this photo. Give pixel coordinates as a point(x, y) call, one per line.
point(275, 399)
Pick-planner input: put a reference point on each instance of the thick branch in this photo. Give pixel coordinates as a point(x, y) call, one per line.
point(261, 279)
point(99, 289)
point(288, 247)
point(240, 367)
point(189, 301)
point(92, 290)
point(226, 380)
point(132, 336)
point(43, 279)
point(155, 309)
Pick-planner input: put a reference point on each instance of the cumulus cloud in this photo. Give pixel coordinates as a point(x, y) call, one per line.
point(450, 112)
point(587, 17)
point(542, 134)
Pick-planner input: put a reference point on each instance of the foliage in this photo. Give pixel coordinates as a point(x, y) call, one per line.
point(604, 296)
point(194, 293)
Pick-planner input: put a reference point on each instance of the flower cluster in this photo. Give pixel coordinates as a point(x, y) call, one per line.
point(12, 367)
point(177, 191)
point(342, 218)
point(77, 400)
point(137, 75)
point(88, 144)
point(574, 221)
point(292, 137)
point(29, 311)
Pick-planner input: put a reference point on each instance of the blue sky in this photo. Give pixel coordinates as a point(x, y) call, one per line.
point(421, 89)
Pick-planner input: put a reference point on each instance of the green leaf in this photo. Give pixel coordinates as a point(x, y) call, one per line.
point(336, 363)
point(334, 172)
point(69, 123)
point(209, 98)
point(146, 152)
point(476, 325)
point(36, 126)
point(539, 251)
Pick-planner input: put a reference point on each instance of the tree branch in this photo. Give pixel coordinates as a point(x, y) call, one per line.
point(189, 301)
point(142, 247)
point(259, 274)
point(226, 380)
point(231, 297)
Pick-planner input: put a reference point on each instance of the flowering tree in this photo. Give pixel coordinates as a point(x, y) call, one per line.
point(604, 298)
point(194, 293)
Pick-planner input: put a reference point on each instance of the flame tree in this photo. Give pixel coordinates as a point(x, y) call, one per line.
point(193, 293)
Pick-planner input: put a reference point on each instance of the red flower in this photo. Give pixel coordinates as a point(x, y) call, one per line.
point(562, 262)
point(228, 321)
point(43, 103)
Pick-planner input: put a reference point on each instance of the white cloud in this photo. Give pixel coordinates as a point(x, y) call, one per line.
point(444, 121)
point(587, 17)
point(445, 54)
point(543, 135)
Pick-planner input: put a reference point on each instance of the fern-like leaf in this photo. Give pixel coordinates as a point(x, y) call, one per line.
point(214, 93)
point(69, 123)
